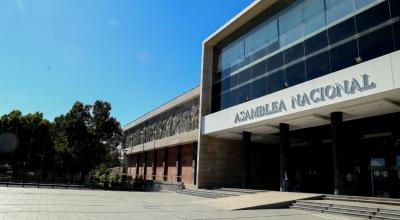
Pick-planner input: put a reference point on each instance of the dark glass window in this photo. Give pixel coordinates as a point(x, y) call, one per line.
point(225, 101)
point(396, 28)
point(294, 53)
point(273, 47)
point(342, 31)
point(343, 56)
point(244, 93)
point(233, 97)
point(217, 76)
point(373, 16)
point(318, 65)
point(234, 80)
point(216, 89)
point(316, 42)
point(259, 54)
point(244, 76)
point(216, 104)
point(225, 84)
point(275, 61)
point(229, 99)
point(295, 74)
point(259, 69)
point(377, 43)
point(275, 82)
point(226, 72)
point(259, 88)
point(395, 8)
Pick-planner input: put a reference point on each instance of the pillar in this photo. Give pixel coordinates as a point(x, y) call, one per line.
point(283, 156)
point(165, 164)
point(137, 164)
point(194, 162)
point(154, 164)
point(337, 148)
point(145, 165)
point(178, 163)
point(246, 145)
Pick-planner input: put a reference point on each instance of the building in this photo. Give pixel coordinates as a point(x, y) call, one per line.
point(302, 96)
point(162, 144)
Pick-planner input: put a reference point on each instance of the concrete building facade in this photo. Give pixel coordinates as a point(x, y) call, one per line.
point(295, 95)
point(162, 144)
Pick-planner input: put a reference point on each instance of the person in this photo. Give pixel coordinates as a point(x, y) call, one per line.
point(285, 182)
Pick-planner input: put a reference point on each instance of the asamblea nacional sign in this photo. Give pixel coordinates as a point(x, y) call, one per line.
point(320, 94)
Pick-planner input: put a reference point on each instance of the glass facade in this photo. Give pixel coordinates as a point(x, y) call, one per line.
point(308, 39)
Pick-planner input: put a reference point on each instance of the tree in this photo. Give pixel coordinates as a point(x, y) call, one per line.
point(85, 137)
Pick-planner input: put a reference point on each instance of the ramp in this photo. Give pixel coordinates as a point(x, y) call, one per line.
point(271, 199)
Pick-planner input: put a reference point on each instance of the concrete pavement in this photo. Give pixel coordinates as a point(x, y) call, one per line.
point(60, 204)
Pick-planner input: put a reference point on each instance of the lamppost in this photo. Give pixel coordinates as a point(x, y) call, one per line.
point(126, 161)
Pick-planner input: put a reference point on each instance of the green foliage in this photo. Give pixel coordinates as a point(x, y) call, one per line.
point(74, 143)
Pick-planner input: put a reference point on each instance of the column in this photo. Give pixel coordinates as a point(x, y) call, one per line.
point(145, 165)
point(194, 163)
point(178, 163)
point(165, 164)
point(283, 152)
point(246, 145)
point(154, 164)
point(337, 126)
point(137, 165)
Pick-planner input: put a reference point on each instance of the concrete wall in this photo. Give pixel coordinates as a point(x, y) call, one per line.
point(186, 160)
point(219, 163)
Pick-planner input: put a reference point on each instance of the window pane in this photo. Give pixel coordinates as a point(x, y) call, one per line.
point(376, 44)
point(343, 56)
point(216, 104)
point(292, 35)
point(315, 23)
point(232, 54)
point(259, 54)
point(395, 8)
point(294, 53)
point(342, 31)
point(216, 89)
point(226, 72)
point(373, 16)
point(316, 42)
point(225, 101)
point(295, 74)
point(255, 40)
point(244, 76)
point(273, 46)
point(275, 82)
point(338, 9)
point(244, 93)
point(259, 69)
point(226, 84)
point(291, 18)
point(313, 7)
point(259, 88)
point(275, 61)
point(396, 28)
point(234, 80)
point(362, 3)
point(318, 66)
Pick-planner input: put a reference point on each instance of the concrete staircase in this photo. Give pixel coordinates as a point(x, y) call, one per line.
point(208, 193)
point(367, 210)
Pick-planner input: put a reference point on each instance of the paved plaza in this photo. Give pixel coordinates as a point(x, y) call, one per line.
point(33, 203)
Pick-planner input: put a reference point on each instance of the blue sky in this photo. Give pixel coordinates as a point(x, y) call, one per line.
point(135, 54)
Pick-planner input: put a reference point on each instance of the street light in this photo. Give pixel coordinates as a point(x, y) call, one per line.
point(126, 162)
